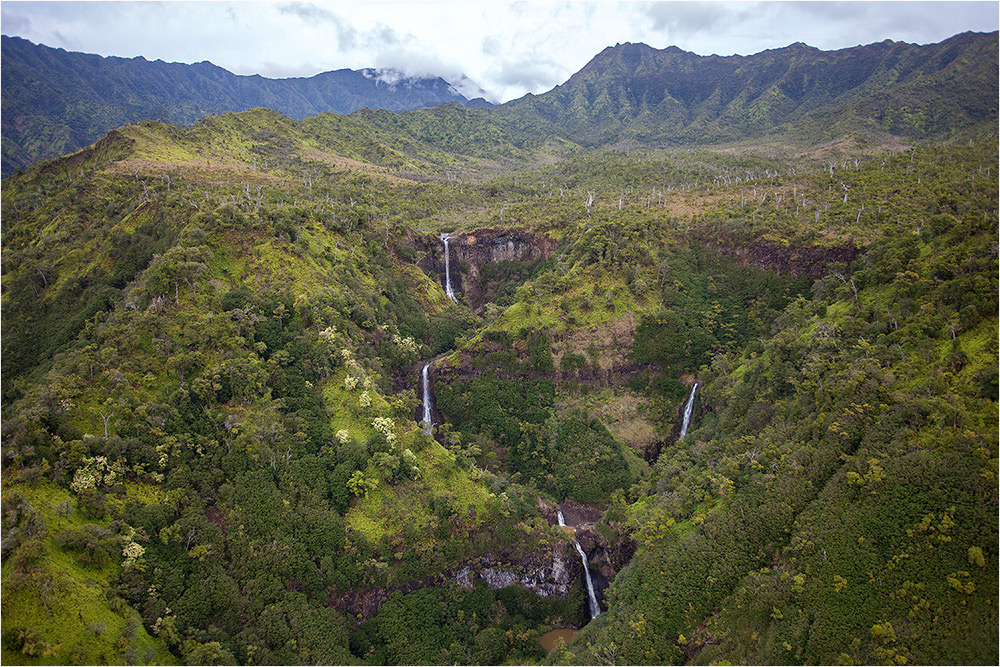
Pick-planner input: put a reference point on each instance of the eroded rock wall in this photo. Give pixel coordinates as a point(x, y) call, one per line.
point(545, 576)
point(785, 260)
point(469, 252)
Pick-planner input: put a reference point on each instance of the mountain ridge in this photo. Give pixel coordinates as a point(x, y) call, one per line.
point(670, 96)
point(56, 101)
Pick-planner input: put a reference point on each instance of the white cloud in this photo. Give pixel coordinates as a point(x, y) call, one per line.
point(687, 18)
point(310, 14)
point(12, 21)
point(307, 11)
point(531, 72)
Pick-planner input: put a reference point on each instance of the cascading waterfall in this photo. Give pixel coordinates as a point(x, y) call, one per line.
point(447, 271)
point(688, 409)
point(595, 608)
point(428, 416)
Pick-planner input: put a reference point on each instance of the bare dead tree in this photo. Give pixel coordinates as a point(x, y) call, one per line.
point(850, 284)
point(106, 418)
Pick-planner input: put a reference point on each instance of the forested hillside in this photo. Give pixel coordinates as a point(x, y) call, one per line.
point(56, 102)
point(799, 94)
point(216, 444)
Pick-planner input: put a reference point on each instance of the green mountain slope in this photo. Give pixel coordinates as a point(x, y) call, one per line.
point(635, 93)
point(212, 346)
point(265, 315)
point(55, 102)
point(834, 499)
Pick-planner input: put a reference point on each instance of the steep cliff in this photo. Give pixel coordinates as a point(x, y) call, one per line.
point(794, 261)
point(517, 251)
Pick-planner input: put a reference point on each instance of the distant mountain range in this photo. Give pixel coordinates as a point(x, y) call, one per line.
point(634, 93)
point(55, 101)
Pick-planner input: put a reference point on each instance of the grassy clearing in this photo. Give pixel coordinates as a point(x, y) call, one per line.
point(403, 507)
point(62, 612)
point(625, 414)
point(339, 403)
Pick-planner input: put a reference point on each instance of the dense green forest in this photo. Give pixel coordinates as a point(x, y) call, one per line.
point(212, 441)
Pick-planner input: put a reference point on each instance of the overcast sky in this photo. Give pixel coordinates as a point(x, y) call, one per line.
point(506, 48)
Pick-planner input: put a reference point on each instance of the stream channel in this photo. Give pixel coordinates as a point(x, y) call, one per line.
point(549, 639)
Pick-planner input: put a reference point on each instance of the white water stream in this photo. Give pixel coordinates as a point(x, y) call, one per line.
point(428, 416)
point(688, 409)
point(447, 271)
point(594, 607)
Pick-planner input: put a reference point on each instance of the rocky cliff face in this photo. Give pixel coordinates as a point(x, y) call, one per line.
point(470, 252)
point(793, 261)
point(610, 343)
point(555, 571)
point(546, 574)
point(607, 557)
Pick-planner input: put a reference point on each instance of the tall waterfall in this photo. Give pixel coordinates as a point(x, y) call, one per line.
point(688, 409)
point(428, 416)
point(594, 608)
point(447, 271)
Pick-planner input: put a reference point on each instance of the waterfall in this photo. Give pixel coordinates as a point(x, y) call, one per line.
point(592, 605)
point(447, 271)
point(688, 409)
point(428, 416)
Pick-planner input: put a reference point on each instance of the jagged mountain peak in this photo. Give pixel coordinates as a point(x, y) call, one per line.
point(634, 92)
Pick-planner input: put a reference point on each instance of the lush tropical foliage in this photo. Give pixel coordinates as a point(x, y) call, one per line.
point(211, 442)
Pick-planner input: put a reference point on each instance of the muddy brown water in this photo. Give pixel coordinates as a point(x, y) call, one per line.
point(548, 640)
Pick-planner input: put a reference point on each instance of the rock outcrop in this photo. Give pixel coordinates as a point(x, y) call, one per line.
point(545, 576)
point(470, 252)
point(795, 261)
point(547, 572)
